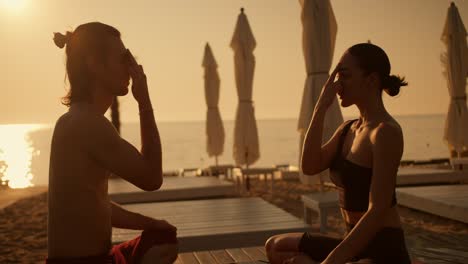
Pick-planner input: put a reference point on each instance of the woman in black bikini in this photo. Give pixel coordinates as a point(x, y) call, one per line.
point(363, 157)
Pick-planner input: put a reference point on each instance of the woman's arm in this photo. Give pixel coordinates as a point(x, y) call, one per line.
point(122, 218)
point(316, 158)
point(311, 151)
point(387, 142)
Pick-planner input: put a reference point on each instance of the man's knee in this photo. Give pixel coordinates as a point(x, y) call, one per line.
point(164, 253)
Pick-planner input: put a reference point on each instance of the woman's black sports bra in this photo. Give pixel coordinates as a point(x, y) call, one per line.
point(353, 181)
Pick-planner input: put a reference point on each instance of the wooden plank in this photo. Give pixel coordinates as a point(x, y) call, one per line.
point(234, 227)
point(217, 211)
point(210, 215)
point(203, 223)
point(453, 252)
point(437, 200)
point(169, 183)
point(218, 223)
point(263, 250)
point(255, 253)
point(438, 191)
point(173, 188)
point(238, 254)
point(174, 205)
point(221, 256)
point(178, 260)
point(412, 176)
point(204, 257)
point(122, 235)
point(188, 258)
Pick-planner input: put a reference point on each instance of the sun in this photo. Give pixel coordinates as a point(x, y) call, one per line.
point(13, 5)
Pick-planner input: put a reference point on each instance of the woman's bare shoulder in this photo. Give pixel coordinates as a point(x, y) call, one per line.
point(388, 129)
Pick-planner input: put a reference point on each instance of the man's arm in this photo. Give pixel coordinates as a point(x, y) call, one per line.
point(118, 156)
point(143, 169)
point(151, 141)
point(122, 218)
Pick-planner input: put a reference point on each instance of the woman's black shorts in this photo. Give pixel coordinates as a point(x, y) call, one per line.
point(388, 246)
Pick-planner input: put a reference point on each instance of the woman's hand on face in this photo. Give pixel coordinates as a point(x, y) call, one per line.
point(300, 259)
point(139, 84)
point(329, 90)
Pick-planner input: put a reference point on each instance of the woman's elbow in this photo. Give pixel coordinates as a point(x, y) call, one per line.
point(309, 167)
point(154, 181)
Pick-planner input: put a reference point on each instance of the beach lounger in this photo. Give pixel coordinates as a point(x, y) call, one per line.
point(217, 223)
point(449, 201)
point(220, 170)
point(459, 163)
point(321, 202)
point(173, 188)
point(242, 179)
point(286, 172)
point(429, 176)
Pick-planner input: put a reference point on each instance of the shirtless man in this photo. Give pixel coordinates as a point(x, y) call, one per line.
point(86, 148)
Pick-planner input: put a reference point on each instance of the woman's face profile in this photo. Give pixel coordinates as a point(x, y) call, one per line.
point(351, 79)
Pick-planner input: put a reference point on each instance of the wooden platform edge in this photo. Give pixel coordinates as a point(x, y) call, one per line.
point(173, 195)
point(431, 206)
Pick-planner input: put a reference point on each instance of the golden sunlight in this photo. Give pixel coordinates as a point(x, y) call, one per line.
point(13, 5)
point(15, 155)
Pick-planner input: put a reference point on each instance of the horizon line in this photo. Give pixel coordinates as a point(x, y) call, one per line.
point(345, 117)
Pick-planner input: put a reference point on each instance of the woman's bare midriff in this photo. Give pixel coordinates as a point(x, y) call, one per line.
point(392, 218)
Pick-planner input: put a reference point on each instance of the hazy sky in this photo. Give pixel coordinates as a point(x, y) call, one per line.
point(168, 37)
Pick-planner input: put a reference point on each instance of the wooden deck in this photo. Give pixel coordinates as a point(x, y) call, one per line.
point(406, 176)
point(425, 176)
point(173, 188)
point(217, 223)
point(450, 201)
point(251, 255)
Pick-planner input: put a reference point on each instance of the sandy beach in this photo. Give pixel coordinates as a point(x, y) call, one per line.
point(24, 236)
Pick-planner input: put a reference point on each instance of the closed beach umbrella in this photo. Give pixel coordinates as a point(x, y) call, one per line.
point(319, 30)
point(214, 124)
point(456, 69)
point(245, 149)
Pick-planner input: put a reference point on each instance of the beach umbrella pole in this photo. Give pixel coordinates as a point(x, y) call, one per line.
point(247, 180)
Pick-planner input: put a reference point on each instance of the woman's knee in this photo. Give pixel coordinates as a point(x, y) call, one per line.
point(269, 243)
point(284, 242)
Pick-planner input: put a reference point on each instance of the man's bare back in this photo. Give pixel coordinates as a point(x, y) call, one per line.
point(79, 208)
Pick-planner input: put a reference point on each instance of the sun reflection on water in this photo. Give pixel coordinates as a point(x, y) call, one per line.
point(16, 152)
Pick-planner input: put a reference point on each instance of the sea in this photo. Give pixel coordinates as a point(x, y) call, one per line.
point(25, 148)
